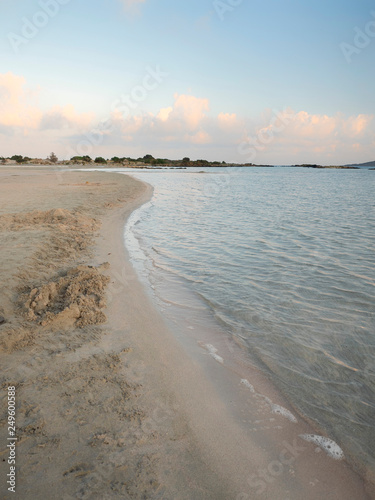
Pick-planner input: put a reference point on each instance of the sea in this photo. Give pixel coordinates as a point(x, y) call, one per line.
point(283, 260)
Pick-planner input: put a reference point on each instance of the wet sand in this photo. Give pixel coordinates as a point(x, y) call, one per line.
point(110, 402)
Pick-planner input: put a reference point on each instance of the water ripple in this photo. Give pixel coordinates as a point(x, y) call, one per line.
point(285, 261)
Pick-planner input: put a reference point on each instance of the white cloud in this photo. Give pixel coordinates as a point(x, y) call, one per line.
point(20, 112)
point(227, 120)
point(185, 121)
point(312, 138)
point(65, 118)
point(26, 128)
point(288, 138)
point(17, 108)
point(189, 111)
point(164, 113)
point(183, 127)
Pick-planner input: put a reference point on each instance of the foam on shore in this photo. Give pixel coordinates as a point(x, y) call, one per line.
point(330, 447)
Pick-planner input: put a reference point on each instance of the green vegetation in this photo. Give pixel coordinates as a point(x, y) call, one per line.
point(146, 159)
point(149, 161)
point(81, 158)
point(20, 158)
point(159, 161)
point(100, 160)
point(53, 158)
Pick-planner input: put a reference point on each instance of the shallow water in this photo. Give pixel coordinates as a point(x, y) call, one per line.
point(283, 259)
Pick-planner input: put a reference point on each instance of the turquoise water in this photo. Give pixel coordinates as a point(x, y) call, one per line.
point(283, 259)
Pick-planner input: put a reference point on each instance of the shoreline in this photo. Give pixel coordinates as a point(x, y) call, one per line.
point(185, 430)
point(177, 166)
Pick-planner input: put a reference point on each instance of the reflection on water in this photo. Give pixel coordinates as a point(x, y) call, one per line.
point(284, 259)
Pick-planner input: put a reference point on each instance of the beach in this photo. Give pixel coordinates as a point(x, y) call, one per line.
point(110, 403)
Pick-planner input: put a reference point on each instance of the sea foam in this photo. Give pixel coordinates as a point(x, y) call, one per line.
point(330, 447)
point(280, 410)
point(212, 351)
point(247, 384)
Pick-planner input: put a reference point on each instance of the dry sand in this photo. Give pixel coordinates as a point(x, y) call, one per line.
point(110, 403)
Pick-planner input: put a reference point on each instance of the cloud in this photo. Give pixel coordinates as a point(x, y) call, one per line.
point(20, 112)
point(16, 104)
point(164, 113)
point(356, 125)
point(315, 138)
point(201, 137)
point(26, 128)
point(65, 118)
point(186, 121)
point(188, 111)
point(227, 120)
point(182, 127)
point(328, 130)
point(286, 138)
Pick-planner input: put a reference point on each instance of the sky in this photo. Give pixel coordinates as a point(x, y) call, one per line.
point(251, 81)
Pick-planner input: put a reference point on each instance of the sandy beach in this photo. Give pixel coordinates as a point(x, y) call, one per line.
point(110, 403)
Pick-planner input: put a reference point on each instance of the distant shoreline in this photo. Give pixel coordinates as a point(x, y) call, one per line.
point(177, 166)
point(148, 161)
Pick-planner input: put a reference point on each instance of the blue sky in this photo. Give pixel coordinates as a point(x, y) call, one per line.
point(228, 72)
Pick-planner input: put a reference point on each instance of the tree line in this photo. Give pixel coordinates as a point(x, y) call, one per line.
point(147, 159)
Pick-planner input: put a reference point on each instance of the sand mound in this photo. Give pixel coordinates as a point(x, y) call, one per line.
point(56, 217)
point(75, 299)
